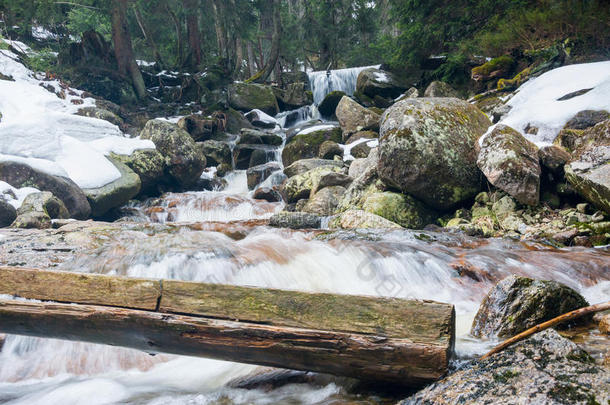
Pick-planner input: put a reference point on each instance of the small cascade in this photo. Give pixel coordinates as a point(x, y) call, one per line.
point(339, 80)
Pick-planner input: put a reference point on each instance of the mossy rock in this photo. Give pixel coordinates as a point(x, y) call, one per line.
point(306, 146)
point(150, 167)
point(250, 96)
point(328, 106)
point(401, 209)
point(299, 187)
point(496, 68)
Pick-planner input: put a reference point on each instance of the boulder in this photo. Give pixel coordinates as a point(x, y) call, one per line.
point(216, 152)
point(8, 213)
point(306, 144)
point(46, 203)
point(304, 165)
point(100, 114)
point(246, 156)
point(361, 150)
point(376, 82)
point(586, 119)
point(184, 159)
point(267, 194)
point(510, 162)
point(258, 174)
point(21, 175)
point(255, 137)
point(330, 149)
point(261, 120)
point(200, 128)
point(553, 158)
point(589, 170)
point(149, 165)
point(362, 135)
point(329, 180)
point(403, 210)
point(427, 149)
point(519, 303)
point(543, 369)
point(440, 89)
point(328, 106)
point(325, 201)
point(294, 95)
point(251, 96)
point(32, 220)
point(300, 186)
point(359, 219)
point(114, 194)
point(354, 118)
point(497, 68)
point(295, 220)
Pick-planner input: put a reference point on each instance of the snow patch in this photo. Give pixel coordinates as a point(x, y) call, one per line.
point(537, 101)
point(15, 196)
point(382, 77)
point(265, 118)
point(316, 128)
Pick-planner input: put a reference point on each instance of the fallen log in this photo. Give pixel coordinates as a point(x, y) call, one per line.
point(407, 342)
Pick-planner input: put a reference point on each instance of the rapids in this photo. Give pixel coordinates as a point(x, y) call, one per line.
point(221, 237)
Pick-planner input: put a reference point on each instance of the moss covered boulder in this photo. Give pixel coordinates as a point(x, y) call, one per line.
point(150, 167)
point(354, 118)
point(306, 144)
point(589, 170)
point(494, 69)
point(510, 162)
point(359, 219)
point(328, 106)
point(519, 303)
point(216, 152)
point(427, 150)
point(302, 166)
point(299, 187)
point(376, 82)
point(440, 89)
point(293, 96)
point(325, 201)
point(250, 96)
point(404, 210)
point(46, 203)
point(100, 114)
point(183, 157)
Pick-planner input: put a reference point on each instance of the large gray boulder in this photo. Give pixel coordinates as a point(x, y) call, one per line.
point(354, 118)
point(8, 213)
point(376, 82)
point(359, 219)
point(440, 89)
point(21, 175)
point(544, 369)
point(404, 210)
point(519, 303)
point(304, 165)
point(150, 167)
point(257, 174)
point(427, 149)
point(295, 95)
point(510, 162)
point(325, 201)
point(44, 202)
point(589, 170)
point(251, 96)
point(300, 186)
point(306, 144)
point(328, 106)
point(114, 194)
point(184, 159)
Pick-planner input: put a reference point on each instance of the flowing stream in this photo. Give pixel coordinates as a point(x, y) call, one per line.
point(220, 237)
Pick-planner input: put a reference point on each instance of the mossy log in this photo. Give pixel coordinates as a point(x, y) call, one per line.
point(406, 342)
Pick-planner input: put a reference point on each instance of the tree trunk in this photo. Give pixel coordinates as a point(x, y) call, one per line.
point(239, 57)
point(179, 36)
point(407, 342)
point(274, 54)
point(220, 29)
point(148, 37)
point(251, 60)
point(123, 49)
point(193, 35)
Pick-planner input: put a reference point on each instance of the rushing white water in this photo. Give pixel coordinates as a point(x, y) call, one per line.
point(339, 80)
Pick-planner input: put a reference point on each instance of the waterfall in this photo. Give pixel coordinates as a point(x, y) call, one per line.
point(339, 80)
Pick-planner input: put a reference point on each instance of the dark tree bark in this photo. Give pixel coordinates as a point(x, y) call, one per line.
point(220, 29)
point(275, 43)
point(179, 36)
point(192, 29)
point(148, 37)
point(123, 49)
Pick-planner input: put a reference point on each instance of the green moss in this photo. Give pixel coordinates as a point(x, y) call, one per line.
point(503, 63)
point(505, 376)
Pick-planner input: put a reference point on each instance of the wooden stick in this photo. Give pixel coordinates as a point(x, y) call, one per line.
point(548, 324)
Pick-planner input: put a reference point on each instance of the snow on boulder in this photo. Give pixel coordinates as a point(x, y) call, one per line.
point(543, 106)
point(261, 120)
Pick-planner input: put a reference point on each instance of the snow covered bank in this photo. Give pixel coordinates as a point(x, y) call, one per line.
point(40, 129)
point(542, 102)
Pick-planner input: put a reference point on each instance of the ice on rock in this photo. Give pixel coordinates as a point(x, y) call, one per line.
point(537, 102)
point(40, 129)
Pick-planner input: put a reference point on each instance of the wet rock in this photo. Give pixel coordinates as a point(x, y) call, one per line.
point(216, 152)
point(362, 135)
point(359, 219)
point(440, 89)
point(366, 182)
point(331, 179)
point(32, 220)
point(114, 194)
point(256, 137)
point(307, 145)
point(44, 202)
point(261, 120)
point(543, 369)
point(21, 175)
point(294, 95)
point(519, 303)
point(267, 194)
point(258, 174)
point(376, 82)
point(200, 128)
point(586, 119)
point(184, 159)
point(328, 106)
point(589, 170)
point(300, 186)
point(295, 220)
point(510, 162)
point(325, 201)
point(403, 210)
point(250, 96)
point(423, 139)
point(354, 118)
point(553, 158)
point(330, 149)
point(149, 165)
point(8, 213)
point(304, 165)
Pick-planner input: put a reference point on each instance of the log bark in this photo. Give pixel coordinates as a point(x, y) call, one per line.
point(407, 342)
